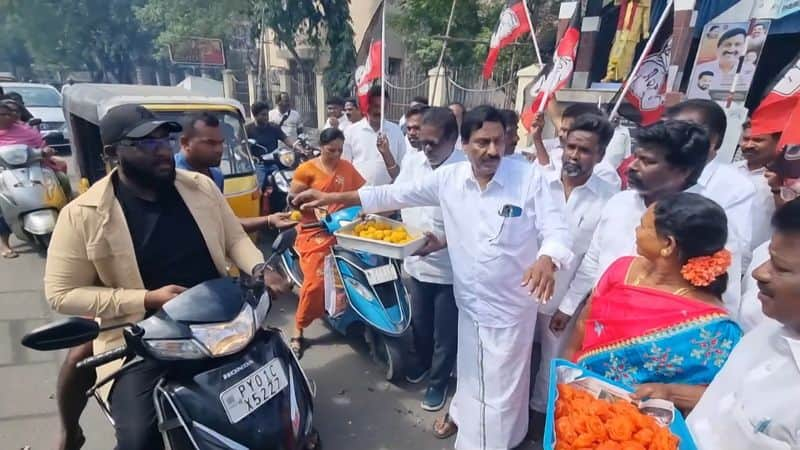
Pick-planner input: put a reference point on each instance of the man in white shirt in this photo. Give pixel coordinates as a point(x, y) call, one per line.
point(430, 282)
point(493, 211)
point(512, 134)
point(585, 195)
point(336, 117)
point(285, 117)
point(376, 149)
point(352, 111)
point(759, 152)
point(413, 125)
point(670, 157)
point(553, 149)
point(752, 402)
point(722, 182)
point(415, 103)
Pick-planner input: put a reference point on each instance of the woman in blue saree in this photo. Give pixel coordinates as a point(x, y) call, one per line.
point(657, 320)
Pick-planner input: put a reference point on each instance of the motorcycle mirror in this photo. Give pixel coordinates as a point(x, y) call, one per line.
point(35, 122)
point(65, 333)
point(284, 240)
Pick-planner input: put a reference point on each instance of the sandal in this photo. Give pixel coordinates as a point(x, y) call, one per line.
point(444, 427)
point(9, 254)
point(296, 344)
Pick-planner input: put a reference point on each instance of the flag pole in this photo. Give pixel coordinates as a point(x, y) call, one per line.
point(645, 53)
point(383, 65)
point(444, 47)
point(533, 35)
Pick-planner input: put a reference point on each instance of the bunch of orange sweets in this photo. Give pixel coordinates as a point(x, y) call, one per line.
point(372, 229)
point(584, 422)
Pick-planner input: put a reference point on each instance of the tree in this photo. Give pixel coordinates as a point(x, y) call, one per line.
point(419, 21)
point(100, 36)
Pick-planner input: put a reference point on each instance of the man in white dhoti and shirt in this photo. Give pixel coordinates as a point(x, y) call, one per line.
point(585, 195)
point(495, 213)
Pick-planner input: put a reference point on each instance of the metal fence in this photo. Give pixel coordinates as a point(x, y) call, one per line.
point(467, 86)
point(402, 87)
point(303, 91)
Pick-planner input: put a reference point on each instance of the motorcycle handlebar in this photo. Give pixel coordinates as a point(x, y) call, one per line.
point(308, 226)
point(103, 358)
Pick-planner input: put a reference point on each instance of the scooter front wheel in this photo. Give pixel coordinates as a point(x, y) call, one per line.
point(395, 361)
point(42, 240)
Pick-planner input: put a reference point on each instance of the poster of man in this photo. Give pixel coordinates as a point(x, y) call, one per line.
point(724, 46)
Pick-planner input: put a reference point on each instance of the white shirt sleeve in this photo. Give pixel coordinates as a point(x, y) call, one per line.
point(552, 224)
point(389, 197)
point(585, 276)
point(398, 144)
point(347, 148)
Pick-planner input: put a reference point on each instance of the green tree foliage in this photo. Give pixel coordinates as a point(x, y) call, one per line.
point(419, 21)
point(101, 36)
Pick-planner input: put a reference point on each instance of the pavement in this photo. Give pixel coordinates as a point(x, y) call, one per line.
point(355, 408)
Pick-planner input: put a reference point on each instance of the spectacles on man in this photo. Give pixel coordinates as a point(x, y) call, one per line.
point(148, 144)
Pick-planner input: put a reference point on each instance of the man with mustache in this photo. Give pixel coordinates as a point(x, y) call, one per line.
point(759, 151)
point(585, 194)
point(550, 152)
point(724, 184)
point(134, 241)
point(752, 402)
point(495, 212)
point(413, 124)
point(669, 158)
point(730, 48)
point(430, 281)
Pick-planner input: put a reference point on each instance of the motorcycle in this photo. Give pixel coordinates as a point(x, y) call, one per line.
point(30, 194)
point(281, 164)
point(230, 381)
point(376, 306)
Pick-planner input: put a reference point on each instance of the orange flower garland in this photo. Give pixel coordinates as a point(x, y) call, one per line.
point(703, 270)
point(583, 422)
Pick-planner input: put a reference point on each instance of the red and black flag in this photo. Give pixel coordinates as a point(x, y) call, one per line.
point(556, 74)
point(779, 104)
point(369, 72)
point(513, 24)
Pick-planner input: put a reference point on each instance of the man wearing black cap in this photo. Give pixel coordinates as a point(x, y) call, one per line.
point(135, 240)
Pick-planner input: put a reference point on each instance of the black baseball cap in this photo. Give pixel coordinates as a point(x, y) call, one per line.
point(131, 122)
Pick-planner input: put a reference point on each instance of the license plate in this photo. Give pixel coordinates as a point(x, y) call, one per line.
point(382, 274)
point(244, 397)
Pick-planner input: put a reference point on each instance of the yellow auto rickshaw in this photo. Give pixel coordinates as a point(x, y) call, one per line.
point(86, 104)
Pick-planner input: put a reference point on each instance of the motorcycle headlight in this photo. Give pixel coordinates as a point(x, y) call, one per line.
point(360, 289)
point(14, 155)
point(176, 349)
point(286, 157)
point(226, 338)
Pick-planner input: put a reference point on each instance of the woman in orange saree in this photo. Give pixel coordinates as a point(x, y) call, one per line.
point(326, 173)
point(657, 319)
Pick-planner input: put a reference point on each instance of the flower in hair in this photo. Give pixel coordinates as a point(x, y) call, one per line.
point(701, 271)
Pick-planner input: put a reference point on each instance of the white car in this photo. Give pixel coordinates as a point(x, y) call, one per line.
point(44, 102)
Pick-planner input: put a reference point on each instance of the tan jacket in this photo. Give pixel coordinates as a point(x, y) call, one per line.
point(91, 266)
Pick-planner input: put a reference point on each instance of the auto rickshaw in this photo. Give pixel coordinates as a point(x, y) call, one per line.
point(86, 104)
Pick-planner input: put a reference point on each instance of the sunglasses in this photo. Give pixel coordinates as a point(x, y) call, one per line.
point(148, 144)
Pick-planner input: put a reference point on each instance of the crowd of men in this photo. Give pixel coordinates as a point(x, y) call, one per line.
point(473, 297)
point(517, 238)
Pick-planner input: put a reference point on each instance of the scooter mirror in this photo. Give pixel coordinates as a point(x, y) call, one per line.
point(284, 240)
point(62, 334)
point(35, 122)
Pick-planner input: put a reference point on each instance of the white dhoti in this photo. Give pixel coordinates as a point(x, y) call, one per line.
point(490, 405)
point(550, 346)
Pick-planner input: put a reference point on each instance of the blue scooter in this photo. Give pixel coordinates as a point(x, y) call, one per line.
point(379, 308)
